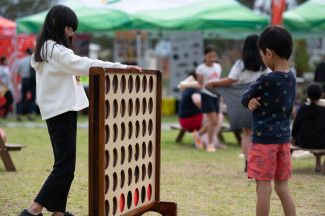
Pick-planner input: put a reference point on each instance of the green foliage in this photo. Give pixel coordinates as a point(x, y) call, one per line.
point(301, 57)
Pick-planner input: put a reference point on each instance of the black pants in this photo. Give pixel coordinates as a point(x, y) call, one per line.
point(9, 100)
point(54, 193)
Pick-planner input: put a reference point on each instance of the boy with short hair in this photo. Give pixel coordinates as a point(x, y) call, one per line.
point(271, 99)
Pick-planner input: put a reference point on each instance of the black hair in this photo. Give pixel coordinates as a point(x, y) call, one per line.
point(251, 57)
point(314, 93)
point(209, 48)
point(29, 51)
point(58, 17)
point(277, 39)
point(3, 59)
point(192, 73)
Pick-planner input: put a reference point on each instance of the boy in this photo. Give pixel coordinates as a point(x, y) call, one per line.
point(271, 99)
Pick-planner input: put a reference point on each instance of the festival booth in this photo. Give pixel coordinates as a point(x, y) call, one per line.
point(306, 20)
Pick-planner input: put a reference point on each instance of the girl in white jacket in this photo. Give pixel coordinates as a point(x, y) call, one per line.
point(60, 95)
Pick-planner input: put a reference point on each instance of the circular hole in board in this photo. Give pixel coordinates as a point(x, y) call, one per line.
point(144, 127)
point(150, 84)
point(137, 152)
point(106, 159)
point(122, 131)
point(136, 174)
point(115, 83)
point(122, 155)
point(123, 83)
point(144, 106)
point(137, 83)
point(129, 176)
point(130, 129)
point(115, 108)
point(130, 153)
point(150, 170)
point(143, 194)
point(106, 183)
point(106, 208)
point(115, 131)
point(150, 148)
point(129, 200)
point(115, 156)
point(130, 83)
point(107, 84)
point(150, 105)
point(137, 106)
point(114, 205)
point(143, 172)
point(144, 83)
point(122, 108)
point(122, 179)
point(130, 107)
point(114, 181)
point(106, 133)
point(144, 150)
point(137, 129)
point(150, 127)
point(107, 109)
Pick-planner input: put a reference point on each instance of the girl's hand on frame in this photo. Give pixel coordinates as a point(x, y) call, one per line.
point(134, 67)
point(254, 104)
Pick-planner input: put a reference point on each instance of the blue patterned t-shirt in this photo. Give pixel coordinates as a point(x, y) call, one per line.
point(271, 121)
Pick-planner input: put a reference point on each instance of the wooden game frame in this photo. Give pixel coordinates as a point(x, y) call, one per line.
point(97, 145)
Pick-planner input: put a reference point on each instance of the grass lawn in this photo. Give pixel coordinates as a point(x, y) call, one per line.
point(201, 183)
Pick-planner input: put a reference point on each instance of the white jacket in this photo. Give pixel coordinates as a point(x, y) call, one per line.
point(57, 90)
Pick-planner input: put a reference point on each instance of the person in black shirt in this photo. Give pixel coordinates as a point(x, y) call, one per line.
point(308, 128)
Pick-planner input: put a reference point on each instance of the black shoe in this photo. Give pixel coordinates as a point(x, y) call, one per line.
point(26, 213)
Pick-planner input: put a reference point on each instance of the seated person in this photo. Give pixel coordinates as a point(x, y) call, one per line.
point(309, 128)
point(189, 111)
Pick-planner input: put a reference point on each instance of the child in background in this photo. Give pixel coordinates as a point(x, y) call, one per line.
point(308, 128)
point(271, 99)
point(60, 95)
point(208, 71)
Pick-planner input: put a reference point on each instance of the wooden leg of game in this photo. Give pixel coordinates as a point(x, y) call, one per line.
point(163, 208)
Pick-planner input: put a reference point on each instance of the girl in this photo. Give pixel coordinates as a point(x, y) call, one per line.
point(60, 96)
point(245, 70)
point(209, 70)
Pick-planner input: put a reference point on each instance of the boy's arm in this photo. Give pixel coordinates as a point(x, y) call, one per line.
point(250, 97)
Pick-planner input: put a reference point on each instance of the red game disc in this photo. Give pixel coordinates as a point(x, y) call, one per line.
point(136, 197)
point(122, 202)
point(149, 192)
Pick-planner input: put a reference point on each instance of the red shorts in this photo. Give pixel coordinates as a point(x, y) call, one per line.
point(191, 123)
point(269, 161)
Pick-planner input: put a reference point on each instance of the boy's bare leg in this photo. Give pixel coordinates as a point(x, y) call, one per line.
point(282, 190)
point(263, 191)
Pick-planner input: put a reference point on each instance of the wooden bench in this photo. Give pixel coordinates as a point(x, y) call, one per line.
point(318, 153)
point(224, 128)
point(5, 156)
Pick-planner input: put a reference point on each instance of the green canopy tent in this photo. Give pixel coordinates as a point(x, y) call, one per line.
point(226, 17)
point(307, 20)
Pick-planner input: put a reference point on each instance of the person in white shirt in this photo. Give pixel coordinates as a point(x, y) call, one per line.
point(60, 95)
point(208, 71)
point(245, 70)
